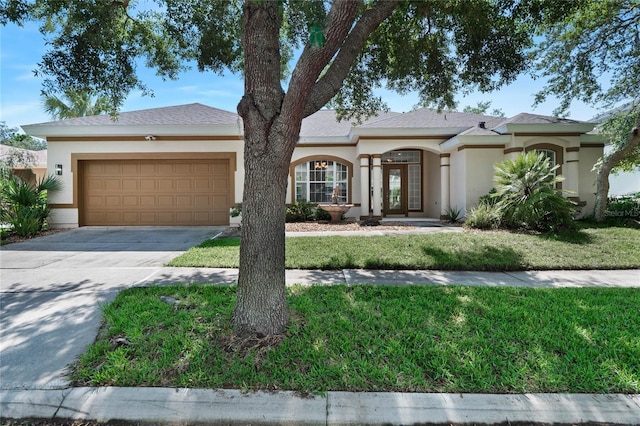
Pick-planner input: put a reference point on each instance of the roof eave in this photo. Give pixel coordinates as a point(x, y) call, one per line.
point(44, 130)
point(543, 128)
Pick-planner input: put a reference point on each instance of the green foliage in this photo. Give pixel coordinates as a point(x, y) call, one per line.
point(489, 199)
point(483, 216)
point(593, 39)
point(12, 137)
point(24, 206)
point(615, 128)
point(528, 196)
point(375, 338)
point(75, 103)
point(435, 48)
point(322, 215)
point(236, 210)
point(482, 108)
point(621, 207)
point(300, 211)
point(453, 214)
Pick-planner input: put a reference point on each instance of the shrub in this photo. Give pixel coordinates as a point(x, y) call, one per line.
point(624, 207)
point(483, 216)
point(453, 213)
point(528, 198)
point(24, 206)
point(319, 214)
point(300, 211)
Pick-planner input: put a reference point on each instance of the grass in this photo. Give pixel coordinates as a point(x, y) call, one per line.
point(589, 248)
point(366, 338)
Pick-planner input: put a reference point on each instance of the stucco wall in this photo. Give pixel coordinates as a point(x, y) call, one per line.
point(458, 179)
point(588, 157)
point(431, 181)
point(480, 171)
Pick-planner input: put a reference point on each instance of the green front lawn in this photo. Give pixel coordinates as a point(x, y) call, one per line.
point(361, 338)
point(589, 248)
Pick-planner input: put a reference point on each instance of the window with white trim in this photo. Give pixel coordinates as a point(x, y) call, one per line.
point(316, 179)
point(551, 155)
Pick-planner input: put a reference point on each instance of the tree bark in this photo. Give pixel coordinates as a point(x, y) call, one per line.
point(608, 163)
point(272, 122)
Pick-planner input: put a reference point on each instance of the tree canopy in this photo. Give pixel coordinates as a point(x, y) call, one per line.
point(593, 55)
point(435, 48)
point(11, 136)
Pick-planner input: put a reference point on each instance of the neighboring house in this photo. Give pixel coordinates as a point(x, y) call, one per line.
point(30, 166)
point(183, 165)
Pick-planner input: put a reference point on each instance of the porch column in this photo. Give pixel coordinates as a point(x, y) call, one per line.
point(570, 170)
point(365, 187)
point(445, 184)
point(377, 186)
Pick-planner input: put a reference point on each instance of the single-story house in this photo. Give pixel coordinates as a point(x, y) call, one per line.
point(28, 165)
point(183, 165)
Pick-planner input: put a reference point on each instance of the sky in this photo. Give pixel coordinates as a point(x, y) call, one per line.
point(21, 48)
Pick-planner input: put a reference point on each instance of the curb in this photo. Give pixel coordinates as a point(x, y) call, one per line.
point(184, 406)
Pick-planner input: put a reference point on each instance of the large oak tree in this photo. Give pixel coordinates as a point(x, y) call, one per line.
point(343, 49)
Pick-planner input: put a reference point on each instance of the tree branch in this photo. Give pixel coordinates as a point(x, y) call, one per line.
point(327, 87)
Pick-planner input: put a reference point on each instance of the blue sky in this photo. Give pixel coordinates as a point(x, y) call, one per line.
point(21, 48)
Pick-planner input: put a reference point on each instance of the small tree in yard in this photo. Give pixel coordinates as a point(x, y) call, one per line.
point(527, 194)
point(347, 48)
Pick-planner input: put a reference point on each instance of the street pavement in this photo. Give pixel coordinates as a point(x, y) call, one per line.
point(52, 289)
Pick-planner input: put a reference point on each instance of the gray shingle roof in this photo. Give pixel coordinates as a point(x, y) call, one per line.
point(425, 117)
point(190, 114)
point(40, 157)
point(324, 124)
point(526, 118)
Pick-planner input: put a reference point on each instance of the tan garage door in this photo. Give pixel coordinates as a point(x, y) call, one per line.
point(155, 192)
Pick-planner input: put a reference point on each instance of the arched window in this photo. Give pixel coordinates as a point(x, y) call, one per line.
point(548, 153)
point(315, 180)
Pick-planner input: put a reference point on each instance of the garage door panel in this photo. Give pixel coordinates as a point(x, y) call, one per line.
point(166, 201)
point(155, 192)
point(147, 185)
point(114, 201)
point(165, 185)
point(184, 184)
point(130, 185)
point(129, 201)
point(147, 201)
point(113, 185)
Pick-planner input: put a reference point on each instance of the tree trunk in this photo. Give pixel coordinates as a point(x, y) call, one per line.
point(608, 163)
point(272, 122)
point(261, 306)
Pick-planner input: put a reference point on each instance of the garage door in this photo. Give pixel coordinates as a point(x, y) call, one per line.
point(155, 192)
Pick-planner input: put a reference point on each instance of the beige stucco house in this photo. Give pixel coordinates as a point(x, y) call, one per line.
point(183, 165)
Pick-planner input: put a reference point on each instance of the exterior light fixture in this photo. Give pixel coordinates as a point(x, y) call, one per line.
point(59, 169)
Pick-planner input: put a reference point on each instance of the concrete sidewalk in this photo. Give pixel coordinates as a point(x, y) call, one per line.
point(206, 406)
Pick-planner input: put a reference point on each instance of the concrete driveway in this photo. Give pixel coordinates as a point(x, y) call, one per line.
point(51, 290)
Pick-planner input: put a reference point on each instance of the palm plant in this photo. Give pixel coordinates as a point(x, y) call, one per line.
point(24, 206)
point(527, 195)
point(76, 103)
